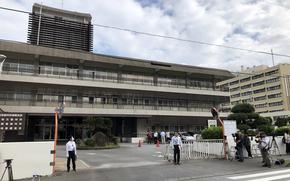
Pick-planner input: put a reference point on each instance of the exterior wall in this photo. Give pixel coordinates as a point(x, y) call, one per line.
point(29, 158)
point(35, 80)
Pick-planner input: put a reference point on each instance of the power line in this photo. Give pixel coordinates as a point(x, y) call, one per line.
point(16, 10)
point(171, 37)
point(191, 41)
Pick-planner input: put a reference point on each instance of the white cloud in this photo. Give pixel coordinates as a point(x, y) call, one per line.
point(248, 24)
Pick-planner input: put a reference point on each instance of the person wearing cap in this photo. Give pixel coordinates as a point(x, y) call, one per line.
point(71, 153)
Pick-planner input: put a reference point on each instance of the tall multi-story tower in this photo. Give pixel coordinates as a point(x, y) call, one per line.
point(59, 28)
point(266, 88)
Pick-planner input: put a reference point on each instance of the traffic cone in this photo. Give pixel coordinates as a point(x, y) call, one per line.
point(157, 144)
point(139, 144)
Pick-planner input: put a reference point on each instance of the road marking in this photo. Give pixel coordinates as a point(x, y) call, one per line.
point(259, 174)
point(126, 165)
point(91, 153)
point(272, 178)
point(84, 163)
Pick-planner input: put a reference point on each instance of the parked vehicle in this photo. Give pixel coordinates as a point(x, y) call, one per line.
point(187, 136)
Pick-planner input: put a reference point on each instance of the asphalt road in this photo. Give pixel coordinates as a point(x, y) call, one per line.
point(131, 163)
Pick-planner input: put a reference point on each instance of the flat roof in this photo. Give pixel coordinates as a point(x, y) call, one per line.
point(36, 7)
point(24, 48)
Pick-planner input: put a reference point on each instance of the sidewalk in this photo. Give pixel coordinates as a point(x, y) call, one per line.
point(61, 165)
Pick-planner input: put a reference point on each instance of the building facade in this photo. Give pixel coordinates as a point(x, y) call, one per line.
point(266, 88)
point(138, 95)
point(59, 28)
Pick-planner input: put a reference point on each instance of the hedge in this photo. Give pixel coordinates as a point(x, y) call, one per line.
point(212, 133)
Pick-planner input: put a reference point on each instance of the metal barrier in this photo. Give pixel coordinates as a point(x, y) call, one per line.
point(201, 149)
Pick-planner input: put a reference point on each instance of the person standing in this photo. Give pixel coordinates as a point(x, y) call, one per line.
point(162, 134)
point(167, 136)
point(155, 137)
point(239, 146)
point(263, 145)
point(287, 142)
point(149, 137)
point(71, 152)
point(176, 143)
point(247, 144)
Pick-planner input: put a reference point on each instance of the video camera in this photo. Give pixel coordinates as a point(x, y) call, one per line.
point(235, 134)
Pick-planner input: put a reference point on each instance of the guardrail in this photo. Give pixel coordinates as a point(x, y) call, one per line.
point(200, 149)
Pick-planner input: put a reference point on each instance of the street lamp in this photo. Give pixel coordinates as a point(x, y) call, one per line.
point(2, 59)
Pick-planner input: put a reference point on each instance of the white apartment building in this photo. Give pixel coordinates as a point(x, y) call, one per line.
point(266, 88)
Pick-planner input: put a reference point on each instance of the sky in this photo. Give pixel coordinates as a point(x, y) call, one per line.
point(259, 25)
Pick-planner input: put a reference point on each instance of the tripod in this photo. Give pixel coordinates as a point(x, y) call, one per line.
point(9, 168)
point(275, 147)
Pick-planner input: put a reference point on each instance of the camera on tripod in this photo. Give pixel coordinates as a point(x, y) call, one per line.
point(9, 169)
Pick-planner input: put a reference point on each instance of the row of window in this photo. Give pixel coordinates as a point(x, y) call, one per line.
point(256, 91)
point(272, 96)
point(272, 104)
point(66, 71)
point(256, 84)
point(107, 100)
point(255, 76)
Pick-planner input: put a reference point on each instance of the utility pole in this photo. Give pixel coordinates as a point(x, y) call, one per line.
point(272, 57)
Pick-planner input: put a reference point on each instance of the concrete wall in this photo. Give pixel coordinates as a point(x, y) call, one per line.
point(28, 158)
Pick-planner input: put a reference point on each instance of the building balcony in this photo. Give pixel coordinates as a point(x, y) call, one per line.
point(107, 82)
point(85, 108)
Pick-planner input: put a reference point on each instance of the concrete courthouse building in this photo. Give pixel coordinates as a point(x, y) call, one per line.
point(266, 88)
point(136, 94)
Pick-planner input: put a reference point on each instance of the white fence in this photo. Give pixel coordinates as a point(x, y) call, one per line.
point(29, 158)
point(209, 149)
point(201, 149)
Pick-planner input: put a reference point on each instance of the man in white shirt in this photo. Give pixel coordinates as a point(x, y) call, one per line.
point(264, 146)
point(155, 137)
point(176, 143)
point(71, 153)
point(162, 134)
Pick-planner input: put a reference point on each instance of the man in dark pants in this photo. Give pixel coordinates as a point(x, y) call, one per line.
point(176, 143)
point(247, 144)
point(264, 146)
point(239, 146)
point(71, 152)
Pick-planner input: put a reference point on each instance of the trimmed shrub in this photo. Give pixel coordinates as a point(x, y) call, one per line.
point(266, 128)
point(90, 142)
point(280, 131)
point(212, 133)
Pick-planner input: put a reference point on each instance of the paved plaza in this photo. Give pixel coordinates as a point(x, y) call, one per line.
point(131, 163)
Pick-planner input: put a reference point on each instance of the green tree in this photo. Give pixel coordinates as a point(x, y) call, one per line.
point(99, 124)
point(282, 122)
point(246, 117)
point(243, 108)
